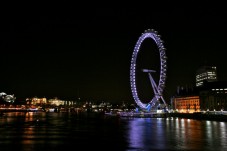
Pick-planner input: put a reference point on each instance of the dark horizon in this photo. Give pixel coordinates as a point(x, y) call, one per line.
point(66, 53)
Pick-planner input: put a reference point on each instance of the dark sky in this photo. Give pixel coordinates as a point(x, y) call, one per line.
point(84, 50)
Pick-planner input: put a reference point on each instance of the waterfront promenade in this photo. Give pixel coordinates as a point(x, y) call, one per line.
point(201, 116)
point(3, 110)
point(214, 116)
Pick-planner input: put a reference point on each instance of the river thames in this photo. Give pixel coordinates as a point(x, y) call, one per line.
point(40, 131)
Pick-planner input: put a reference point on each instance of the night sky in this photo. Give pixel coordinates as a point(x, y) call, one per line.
point(84, 50)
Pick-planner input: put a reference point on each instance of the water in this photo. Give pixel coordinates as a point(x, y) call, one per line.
point(65, 131)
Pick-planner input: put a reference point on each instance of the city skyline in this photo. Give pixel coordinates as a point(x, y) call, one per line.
point(67, 53)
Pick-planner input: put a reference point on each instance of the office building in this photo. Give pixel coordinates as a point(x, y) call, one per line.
point(205, 73)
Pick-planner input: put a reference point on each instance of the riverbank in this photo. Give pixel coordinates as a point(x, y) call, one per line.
point(200, 116)
point(196, 115)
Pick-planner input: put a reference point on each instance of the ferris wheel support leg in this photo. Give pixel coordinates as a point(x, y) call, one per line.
point(156, 89)
point(153, 84)
point(148, 107)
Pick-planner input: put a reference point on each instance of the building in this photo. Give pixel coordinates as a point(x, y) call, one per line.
point(213, 96)
point(205, 73)
point(56, 102)
point(187, 104)
point(186, 100)
point(36, 101)
point(209, 94)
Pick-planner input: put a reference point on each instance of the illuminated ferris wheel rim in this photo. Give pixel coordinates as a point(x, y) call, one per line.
point(150, 33)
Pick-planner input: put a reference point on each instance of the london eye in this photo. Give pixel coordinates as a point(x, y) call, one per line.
point(157, 87)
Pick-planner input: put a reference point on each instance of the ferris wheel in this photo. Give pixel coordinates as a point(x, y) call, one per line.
point(157, 87)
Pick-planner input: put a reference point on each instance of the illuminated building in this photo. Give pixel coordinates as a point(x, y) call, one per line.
point(188, 104)
point(56, 102)
point(186, 100)
point(205, 73)
point(36, 101)
point(208, 95)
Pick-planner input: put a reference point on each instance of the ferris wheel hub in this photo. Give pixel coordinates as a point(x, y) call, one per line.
point(147, 70)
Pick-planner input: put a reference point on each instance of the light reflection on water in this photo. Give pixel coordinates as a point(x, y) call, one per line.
point(59, 131)
point(176, 134)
